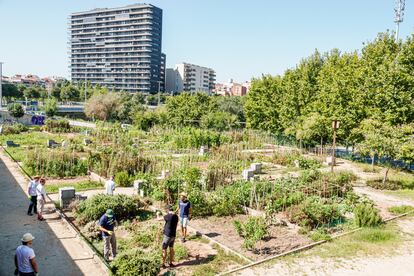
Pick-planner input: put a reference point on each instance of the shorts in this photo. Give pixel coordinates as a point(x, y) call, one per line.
point(184, 221)
point(168, 242)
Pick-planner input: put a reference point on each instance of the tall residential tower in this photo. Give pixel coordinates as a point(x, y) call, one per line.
point(119, 48)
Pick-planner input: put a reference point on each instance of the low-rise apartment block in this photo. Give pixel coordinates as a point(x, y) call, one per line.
point(190, 78)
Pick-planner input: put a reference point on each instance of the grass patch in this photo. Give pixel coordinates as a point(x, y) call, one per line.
point(217, 263)
point(79, 186)
point(199, 238)
point(367, 168)
point(396, 181)
point(366, 242)
point(398, 210)
point(403, 194)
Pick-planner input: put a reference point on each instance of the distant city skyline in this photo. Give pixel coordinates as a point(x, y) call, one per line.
point(238, 39)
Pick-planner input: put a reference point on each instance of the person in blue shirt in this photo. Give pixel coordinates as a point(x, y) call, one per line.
point(107, 224)
point(186, 212)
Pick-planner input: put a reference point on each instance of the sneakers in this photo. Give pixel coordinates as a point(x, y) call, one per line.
point(172, 265)
point(29, 214)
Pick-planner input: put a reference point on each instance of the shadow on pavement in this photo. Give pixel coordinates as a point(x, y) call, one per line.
point(51, 256)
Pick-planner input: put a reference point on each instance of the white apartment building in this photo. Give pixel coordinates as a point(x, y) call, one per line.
point(190, 78)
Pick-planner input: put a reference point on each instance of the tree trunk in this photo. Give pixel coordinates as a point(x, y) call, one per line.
point(385, 176)
point(321, 145)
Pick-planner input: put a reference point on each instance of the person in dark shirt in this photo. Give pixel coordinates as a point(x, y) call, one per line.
point(186, 211)
point(170, 231)
point(107, 224)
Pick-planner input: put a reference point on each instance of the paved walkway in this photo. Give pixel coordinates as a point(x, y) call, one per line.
point(58, 250)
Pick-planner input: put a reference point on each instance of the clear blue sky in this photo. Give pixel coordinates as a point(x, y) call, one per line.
point(239, 39)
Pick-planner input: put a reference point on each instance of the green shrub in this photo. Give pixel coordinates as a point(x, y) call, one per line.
point(57, 126)
point(93, 208)
point(398, 210)
point(366, 215)
point(137, 262)
point(307, 163)
point(123, 179)
point(253, 230)
point(14, 129)
point(320, 234)
point(315, 212)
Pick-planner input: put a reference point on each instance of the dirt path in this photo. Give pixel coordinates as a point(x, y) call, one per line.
point(58, 249)
point(382, 200)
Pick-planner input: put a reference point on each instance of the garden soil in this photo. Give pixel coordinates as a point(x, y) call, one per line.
point(221, 229)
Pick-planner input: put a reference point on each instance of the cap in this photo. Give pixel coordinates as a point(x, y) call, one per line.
point(183, 194)
point(36, 176)
point(109, 213)
point(27, 237)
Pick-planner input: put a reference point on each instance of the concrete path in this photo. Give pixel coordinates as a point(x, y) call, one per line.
point(58, 249)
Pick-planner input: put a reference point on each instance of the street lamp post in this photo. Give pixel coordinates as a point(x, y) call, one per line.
point(335, 126)
point(159, 92)
point(1, 85)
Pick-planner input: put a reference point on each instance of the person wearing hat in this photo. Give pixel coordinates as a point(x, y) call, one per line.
point(32, 192)
point(107, 224)
point(25, 257)
point(170, 231)
point(186, 212)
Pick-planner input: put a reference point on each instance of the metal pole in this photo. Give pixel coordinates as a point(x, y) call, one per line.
point(1, 85)
point(159, 95)
point(397, 32)
point(85, 89)
point(333, 148)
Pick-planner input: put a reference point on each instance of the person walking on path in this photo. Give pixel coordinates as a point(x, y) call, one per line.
point(107, 224)
point(25, 258)
point(32, 192)
point(186, 212)
point(41, 198)
point(110, 186)
point(170, 231)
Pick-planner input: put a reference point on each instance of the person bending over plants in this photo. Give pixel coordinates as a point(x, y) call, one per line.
point(107, 224)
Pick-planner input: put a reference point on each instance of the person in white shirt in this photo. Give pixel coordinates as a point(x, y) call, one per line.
point(110, 186)
point(41, 198)
point(31, 191)
point(24, 259)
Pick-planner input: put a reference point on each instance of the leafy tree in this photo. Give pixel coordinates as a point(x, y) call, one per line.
point(32, 92)
point(340, 96)
point(102, 106)
point(232, 105)
point(219, 121)
point(300, 89)
point(51, 107)
point(16, 110)
point(381, 140)
point(187, 109)
point(55, 93)
point(69, 93)
point(314, 129)
point(11, 91)
point(263, 104)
